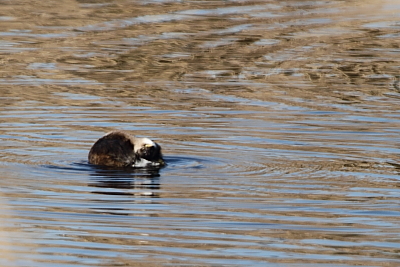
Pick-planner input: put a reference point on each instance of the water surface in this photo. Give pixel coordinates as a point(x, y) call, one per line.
point(279, 121)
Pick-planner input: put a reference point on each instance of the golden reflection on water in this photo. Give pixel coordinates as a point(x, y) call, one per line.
point(279, 121)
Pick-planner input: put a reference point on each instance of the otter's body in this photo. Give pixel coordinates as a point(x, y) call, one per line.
point(120, 149)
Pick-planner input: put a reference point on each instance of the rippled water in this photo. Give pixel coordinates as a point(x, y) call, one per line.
point(279, 121)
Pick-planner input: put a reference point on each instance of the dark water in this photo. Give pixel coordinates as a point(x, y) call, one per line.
point(279, 120)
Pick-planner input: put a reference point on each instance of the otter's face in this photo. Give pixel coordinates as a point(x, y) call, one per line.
point(150, 151)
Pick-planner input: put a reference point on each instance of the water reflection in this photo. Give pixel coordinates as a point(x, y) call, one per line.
point(145, 182)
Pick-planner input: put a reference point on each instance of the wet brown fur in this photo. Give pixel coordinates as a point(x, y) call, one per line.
point(114, 149)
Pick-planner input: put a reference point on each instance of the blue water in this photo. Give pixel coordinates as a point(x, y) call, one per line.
point(279, 123)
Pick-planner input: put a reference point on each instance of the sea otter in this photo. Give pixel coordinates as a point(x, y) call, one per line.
point(120, 149)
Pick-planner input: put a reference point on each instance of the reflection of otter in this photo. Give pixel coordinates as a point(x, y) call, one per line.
point(111, 181)
point(120, 149)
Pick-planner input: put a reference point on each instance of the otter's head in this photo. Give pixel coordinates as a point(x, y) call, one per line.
point(148, 150)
